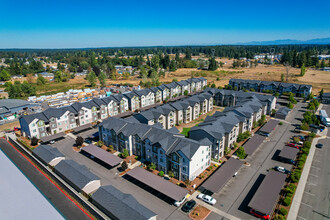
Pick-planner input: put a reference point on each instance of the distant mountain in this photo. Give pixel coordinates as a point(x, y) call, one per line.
point(288, 41)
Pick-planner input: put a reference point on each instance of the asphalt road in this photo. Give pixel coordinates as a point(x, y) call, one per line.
point(315, 203)
point(238, 192)
point(62, 203)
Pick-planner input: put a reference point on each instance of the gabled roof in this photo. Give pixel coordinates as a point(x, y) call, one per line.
point(47, 153)
point(78, 174)
point(121, 205)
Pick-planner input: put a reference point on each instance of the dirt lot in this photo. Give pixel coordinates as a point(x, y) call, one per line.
point(318, 79)
point(10, 125)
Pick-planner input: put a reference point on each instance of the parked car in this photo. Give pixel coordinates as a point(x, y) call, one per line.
point(259, 214)
point(207, 199)
point(319, 145)
point(52, 142)
point(263, 133)
point(299, 142)
point(88, 141)
point(188, 206)
point(293, 145)
point(282, 170)
point(178, 203)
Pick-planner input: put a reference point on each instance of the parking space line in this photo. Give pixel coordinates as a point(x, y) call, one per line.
point(315, 167)
point(311, 184)
point(309, 193)
point(306, 205)
point(301, 217)
point(317, 161)
point(314, 175)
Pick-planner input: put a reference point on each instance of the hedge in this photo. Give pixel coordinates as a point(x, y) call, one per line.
point(283, 211)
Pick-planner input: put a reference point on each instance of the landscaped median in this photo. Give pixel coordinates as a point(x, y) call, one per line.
point(288, 193)
point(199, 213)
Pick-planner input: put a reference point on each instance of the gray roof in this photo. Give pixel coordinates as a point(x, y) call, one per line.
point(269, 126)
point(52, 137)
point(121, 205)
point(289, 153)
point(253, 143)
point(78, 174)
point(102, 155)
point(158, 183)
point(222, 175)
point(47, 153)
point(283, 111)
point(15, 103)
point(268, 192)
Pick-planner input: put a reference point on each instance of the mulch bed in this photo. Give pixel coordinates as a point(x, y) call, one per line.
point(199, 213)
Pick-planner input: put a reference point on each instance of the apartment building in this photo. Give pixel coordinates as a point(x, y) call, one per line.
point(263, 86)
point(167, 149)
point(222, 128)
point(181, 111)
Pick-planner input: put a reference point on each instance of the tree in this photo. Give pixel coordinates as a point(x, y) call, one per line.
point(170, 174)
point(102, 79)
point(321, 93)
point(124, 165)
point(91, 77)
point(287, 69)
point(302, 70)
point(41, 80)
point(282, 77)
point(151, 166)
point(213, 64)
point(241, 152)
point(161, 173)
point(4, 75)
point(79, 141)
point(172, 66)
point(185, 92)
point(290, 105)
point(34, 141)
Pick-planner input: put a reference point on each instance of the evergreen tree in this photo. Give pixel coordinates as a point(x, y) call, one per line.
point(213, 64)
point(302, 70)
point(102, 79)
point(172, 66)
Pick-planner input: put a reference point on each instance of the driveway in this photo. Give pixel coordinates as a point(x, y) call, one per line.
point(235, 196)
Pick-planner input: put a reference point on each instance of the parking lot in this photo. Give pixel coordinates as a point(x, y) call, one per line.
point(145, 195)
point(315, 202)
point(238, 192)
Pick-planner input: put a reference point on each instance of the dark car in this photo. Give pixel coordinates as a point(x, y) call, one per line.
point(88, 141)
point(188, 206)
point(319, 145)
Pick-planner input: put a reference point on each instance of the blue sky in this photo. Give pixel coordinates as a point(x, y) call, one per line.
point(98, 23)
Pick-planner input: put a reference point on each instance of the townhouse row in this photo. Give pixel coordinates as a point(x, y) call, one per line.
point(54, 120)
point(181, 111)
point(301, 90)
point(167, 149)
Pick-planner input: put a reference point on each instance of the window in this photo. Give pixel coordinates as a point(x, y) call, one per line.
point(184, 168)
point(40, 122)
point(161, 160)
point(65, 116)
point(59, 123)
point(34, 130)
point(41, 129)
point(33, 124)
point(183, 160)
point(72, 120)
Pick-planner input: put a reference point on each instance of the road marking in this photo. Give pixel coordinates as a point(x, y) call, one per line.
point(316, 167)
point(301, 217)
point(309, 193)
point(307, 205)
point(314, 175)
point(317, 161)
point(311, 184)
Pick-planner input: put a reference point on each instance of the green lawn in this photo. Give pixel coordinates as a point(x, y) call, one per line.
point(185, 131)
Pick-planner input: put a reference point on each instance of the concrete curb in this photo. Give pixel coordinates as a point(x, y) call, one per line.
point(295, 206)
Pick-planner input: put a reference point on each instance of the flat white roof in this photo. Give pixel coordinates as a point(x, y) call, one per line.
point(20, 199)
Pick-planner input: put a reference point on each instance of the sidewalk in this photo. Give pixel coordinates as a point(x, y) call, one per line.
point(293, 212)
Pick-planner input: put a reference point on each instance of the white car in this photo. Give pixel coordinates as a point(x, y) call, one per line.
point(207, 199)
point(178, 203)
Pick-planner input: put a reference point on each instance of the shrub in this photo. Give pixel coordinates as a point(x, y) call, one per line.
point(279, 217)
point(312, 135)
point(303, 157)
point(151, 166)
point(290, 105)
point(289, 195)
point(290, 188)
point(137, 157)
point(241, 152)
point(281, 123)
point(304, 127)
point(187, 182)
point(287, 201)
point(295, 176)
point(110, 148)
point(124, 165)
point(34, 141)
point(170, 174)
point(300, 164)
point(283, 211)
point(124, 154)
point(307, 144)
point(100, 143)
point(305, 150)
point(161, 173)
point(185, 92)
